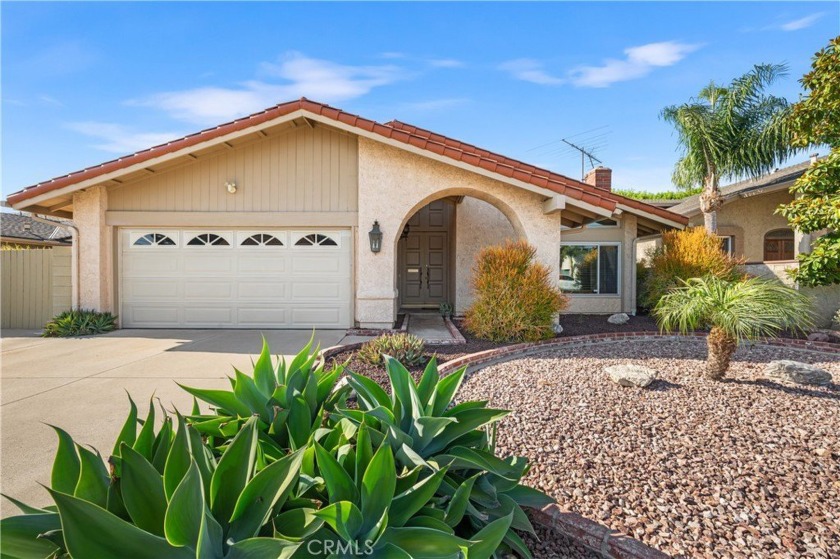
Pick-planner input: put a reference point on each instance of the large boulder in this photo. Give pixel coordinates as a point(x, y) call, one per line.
point(631, 375)
point(620, 318)
point(797, 372)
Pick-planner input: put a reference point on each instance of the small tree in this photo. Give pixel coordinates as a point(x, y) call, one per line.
point(735, 311)
point(685, 254)
point(728, 132)
point(816, 207)
point(514, 297)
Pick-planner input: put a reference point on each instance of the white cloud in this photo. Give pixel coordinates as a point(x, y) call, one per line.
point(801, 23)
point(639, 62)
point(446, 63)
point(294, 75)
point(530, 70)
point(116, 138)
point(49, 100)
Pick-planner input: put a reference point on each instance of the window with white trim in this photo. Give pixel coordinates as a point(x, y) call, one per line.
point(590, 268)
point(316, 239)
point(208, 239)
point(727, 244)
point(262, 239)
point(154, 239)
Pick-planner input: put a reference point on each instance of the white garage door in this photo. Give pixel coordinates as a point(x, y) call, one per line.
point(268, 278)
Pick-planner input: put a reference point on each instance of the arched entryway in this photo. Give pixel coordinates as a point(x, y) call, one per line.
point(437, 247)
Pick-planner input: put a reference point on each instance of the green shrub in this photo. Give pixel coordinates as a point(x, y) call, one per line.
point(359, 485)
point(79, 322)
point(405, 348)
point(514, 297)
point(690, 253)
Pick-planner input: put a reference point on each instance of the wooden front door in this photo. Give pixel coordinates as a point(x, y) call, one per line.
point(424, 257)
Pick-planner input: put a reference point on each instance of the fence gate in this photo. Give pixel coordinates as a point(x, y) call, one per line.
point(35, 285)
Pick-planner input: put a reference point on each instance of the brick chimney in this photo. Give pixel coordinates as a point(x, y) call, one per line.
point(600, 177)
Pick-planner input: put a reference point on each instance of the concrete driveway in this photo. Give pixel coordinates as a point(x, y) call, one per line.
point(80, 385)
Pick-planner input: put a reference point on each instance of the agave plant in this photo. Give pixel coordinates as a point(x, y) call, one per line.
point(187, 505)
point(405, 348)
point(290, 400)
point(425, 430)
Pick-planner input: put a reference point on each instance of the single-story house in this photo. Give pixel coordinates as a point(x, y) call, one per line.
point(24, 231)
point(752, 231)
point(304, 215)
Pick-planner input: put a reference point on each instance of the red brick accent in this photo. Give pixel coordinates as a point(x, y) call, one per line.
point(600, 177)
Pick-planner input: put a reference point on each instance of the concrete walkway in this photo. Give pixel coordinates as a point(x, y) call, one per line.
point(429, 326)
point(80, 385)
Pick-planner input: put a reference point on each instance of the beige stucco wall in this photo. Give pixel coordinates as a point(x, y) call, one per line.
point(96, 263)
point(477, 224)
point(393, 184)
point(826, 300)
point(748, 219)
point(301, 170)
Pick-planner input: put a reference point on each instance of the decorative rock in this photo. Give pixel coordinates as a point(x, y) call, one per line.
point(558, 329)
point(620, 318)
point(631, 375)
point(819, 337)
point(796, 372)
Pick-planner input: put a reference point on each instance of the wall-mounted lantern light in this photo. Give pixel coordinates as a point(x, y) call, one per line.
point(375, 238)
point(405, 231)
point(231, 187)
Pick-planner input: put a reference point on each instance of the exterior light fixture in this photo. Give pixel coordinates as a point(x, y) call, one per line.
point(231, 187)
point(375, 238)
point(405, 231)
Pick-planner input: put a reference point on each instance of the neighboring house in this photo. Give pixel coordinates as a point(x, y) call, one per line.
point(21, 230)
point(271, 221)
point(751, 230)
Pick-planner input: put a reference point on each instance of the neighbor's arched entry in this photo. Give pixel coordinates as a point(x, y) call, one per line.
point(439, 241)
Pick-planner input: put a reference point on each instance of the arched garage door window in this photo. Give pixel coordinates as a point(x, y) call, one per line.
point(778, 245)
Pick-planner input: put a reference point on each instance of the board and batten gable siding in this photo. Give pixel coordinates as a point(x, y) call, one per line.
point(302, 170)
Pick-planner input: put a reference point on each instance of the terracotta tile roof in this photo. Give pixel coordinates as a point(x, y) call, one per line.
point(407, 134)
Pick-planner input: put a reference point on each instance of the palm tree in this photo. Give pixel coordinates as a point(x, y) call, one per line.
point(730, 132)
point(735, 311)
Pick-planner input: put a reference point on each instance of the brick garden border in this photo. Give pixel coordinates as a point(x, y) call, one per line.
point(609, 543)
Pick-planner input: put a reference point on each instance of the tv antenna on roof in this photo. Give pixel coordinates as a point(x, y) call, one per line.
point(584, 153)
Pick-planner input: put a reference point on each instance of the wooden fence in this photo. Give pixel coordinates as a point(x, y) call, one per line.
point(35, 285)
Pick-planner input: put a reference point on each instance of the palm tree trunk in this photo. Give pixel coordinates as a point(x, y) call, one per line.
point(721, 347)
point(710, 202)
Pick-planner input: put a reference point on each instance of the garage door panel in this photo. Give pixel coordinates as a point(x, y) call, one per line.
point(257, 285)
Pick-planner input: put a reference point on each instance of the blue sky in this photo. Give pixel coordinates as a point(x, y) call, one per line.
point(86, 82)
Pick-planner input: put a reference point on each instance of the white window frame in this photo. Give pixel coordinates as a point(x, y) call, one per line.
point(135, 234)
point(332, 234)
point(190, 234)
point(729, 240)
point(241, 235)
point(620, 261)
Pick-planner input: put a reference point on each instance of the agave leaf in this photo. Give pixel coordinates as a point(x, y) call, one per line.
point(378, 484)
point(468, 420)
point(178, 460)
point(458, 504)
point(224, 426)
point(233, 471)
point(297, 524)
point(163, 442)
point(424, 542)
point(299, 422)
point(427, 428)
point(407, 503)
point(458, 408)
point(114, 501)
point(145, 442)
point(188, 521)
point(340, 486)
point(516, 543)
point(19, 535)
point(221, 399)
point(204, 459)
point(24, 508)
point(529, 497)
point(262, 548)
point(368, 391)
point(327, 382)
point(128, 433)
point(422, 521)
point(264, 371)
point(485, 543)
point(428, 382)
point(446, 390)
point(267, 490)
point(300, 359)
point(364, 452)
point(196, 410)
point(142, 492)
point(310, 393)
point(459, 457)
point(344, 517)
point(247, 392)
point(84, 524)
point(66, 466)
point(93, 478)
point(509, 507)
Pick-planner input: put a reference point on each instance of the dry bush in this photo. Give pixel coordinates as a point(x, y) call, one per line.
point(514, 296)
point(690, 253)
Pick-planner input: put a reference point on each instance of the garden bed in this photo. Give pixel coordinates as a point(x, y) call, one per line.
point(742, 468)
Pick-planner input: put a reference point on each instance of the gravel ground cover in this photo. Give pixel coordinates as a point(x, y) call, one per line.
point(741, 468)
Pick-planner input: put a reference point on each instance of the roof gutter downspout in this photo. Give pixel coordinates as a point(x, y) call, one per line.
point(634, 286)
point(74, 252)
